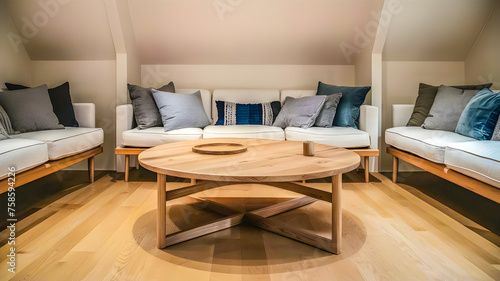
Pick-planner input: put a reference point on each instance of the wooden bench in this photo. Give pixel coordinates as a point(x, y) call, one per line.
point(127, 151)
point(53, 166)
point(444, 172)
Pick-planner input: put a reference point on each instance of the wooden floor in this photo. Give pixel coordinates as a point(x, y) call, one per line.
point(106, 231)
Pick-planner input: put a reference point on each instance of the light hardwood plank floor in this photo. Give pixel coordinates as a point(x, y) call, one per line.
point(107, 231)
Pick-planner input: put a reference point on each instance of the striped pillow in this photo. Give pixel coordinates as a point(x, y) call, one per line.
point(230, 113)
point(5, 122)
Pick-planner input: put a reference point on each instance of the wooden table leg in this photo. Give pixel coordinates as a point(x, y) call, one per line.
point(336, 214)
point(91, 167)
point(161, 212)
point(395, 164)
point(367, 169)
point(127, 164)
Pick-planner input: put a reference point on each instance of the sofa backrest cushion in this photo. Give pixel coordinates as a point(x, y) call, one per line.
point(206, 98)
point(146, 112)
point(60, 98)
point(179, 111)
point(496, 132)
point(296, 94)
point(243, 96)
point(301, 112)
point(480, 116)
point(30, 109)
point(230, 113)
point(425, 99)
point(448, 105)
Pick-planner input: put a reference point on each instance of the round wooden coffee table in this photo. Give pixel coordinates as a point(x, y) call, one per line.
point(272, 162)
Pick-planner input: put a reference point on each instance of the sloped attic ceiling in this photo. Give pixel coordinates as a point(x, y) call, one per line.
point(246, 31)
point(430, 30)
point(249, 31)
point(63, 29)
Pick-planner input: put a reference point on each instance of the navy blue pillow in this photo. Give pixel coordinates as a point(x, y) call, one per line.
point(229, 113)
point(480, 116)
point(61, 103)
point(347, 114)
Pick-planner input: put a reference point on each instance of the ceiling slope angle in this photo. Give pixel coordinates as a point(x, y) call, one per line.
point(247, 32)
point(63, 29)
point(429, 30)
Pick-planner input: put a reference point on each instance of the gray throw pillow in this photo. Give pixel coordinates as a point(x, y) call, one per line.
point(447, 107)
point(327, 113)
point(181, 110)
point(30, 109)
point(425, 99)
point(300, 112)
point(145, 110)
point(496, 132)
point(5, 122)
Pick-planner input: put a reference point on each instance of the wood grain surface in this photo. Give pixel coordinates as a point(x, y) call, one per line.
point(215, 148)
point(265, 161)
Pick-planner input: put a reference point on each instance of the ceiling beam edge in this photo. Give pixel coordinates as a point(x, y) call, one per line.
point(120, 50)
point(486, 22)
point(377, 66)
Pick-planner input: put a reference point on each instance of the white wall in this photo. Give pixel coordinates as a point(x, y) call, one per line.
point(247, 76)
point(15, 64)
point(400, 86)
point(483, 61)
point(90, 81)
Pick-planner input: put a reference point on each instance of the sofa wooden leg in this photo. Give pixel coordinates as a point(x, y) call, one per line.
point(127, 164)
point(367, 169)
point(395, 164)
point(91, 167)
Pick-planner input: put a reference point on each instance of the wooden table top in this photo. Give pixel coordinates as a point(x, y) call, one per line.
point(264, 161)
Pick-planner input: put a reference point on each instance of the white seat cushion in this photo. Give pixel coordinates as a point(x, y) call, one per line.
point(476, 159)
point(429, 144)
point(22, 154)
point(336, 136)
point(244, 131)
point(67, 142)
point(155, 136)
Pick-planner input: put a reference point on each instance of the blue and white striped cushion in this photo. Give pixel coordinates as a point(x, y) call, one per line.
point(230, 113)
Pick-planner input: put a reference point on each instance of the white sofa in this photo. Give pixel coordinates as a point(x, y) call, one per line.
point(465, 161)
point(36, 154)
point(127, 136)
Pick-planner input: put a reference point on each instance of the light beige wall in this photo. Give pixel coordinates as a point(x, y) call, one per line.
point(90, 81)
point(363, 71)
point(247, 76)
point(15, 62)
point(363, 59)
point(483, 61)
point(400, 86)
point(133, 62)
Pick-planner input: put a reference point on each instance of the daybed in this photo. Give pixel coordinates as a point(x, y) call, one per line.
point(465, 161)
point(132, 141)
point(37, 154)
